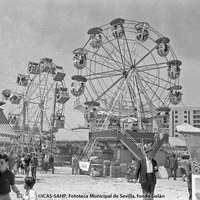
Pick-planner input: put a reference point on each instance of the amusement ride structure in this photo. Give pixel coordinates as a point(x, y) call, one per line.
point(126, 71)
point(37, 108)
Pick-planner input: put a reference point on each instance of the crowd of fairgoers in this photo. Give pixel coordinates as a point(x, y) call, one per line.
point(29, 163)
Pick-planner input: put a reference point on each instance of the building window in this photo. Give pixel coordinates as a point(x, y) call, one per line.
point(185, 116)
point(176, 116)
point(176, 121)
point(185, 112)
point(185, 121)
point(196, 112)
point(176, 112)
point(196, 116)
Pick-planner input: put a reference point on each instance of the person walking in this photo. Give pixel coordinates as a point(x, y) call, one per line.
point(34, 165)
point(181, 164)
point(22, 164)
point(7, 179)
point(166, 164)
point(46, 162)
point(75, 164)
point(188, 171)
point(145, 171)
point(27, 161)
point(173, 166)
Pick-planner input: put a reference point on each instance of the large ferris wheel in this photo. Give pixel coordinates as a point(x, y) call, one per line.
point(37, 107)
point(126, 68)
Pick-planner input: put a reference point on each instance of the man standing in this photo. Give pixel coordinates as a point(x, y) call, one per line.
point(27, 161)
point(145, 169)
point(46, 162)
point(188, 170)
point(74, 164)
point(173, 166)
point(7, 179)
point(34, 165)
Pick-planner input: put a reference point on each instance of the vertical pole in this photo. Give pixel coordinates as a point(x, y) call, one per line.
point(137, 102)
point(53, 121)
point(24, 124)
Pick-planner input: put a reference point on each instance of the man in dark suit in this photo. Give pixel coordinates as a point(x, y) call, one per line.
point(145, 172)
point(173, 166)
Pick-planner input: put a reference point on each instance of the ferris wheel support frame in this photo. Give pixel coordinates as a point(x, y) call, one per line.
point(24, 124)
point(53, 122)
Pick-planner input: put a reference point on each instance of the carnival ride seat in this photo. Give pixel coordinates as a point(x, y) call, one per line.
point(163, 116)
point(15, 98)
point(163, 46)
point(95, 37)
point(142, 31)
point(80, 58)
point(117, 28)
point(33, 68)
point(62, 95)
point(46, 65)
point(13, 118)
point(175, 96)
point(60, 120)
point(22, 79)
point(78, 86)
point(91, 110)
point(7, 94)
point(174, 69)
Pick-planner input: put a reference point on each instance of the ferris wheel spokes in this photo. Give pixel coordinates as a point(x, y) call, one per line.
point(125, 70)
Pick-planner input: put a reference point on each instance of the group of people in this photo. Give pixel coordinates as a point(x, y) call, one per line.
point(172, 164)
point(24, 163)
point(29, 163)
point(7, 182)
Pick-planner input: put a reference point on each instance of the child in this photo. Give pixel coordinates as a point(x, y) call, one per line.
point(22, 164)
point(30, 194)
point(94, 173)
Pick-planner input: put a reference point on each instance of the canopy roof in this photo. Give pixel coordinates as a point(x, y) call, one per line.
point(174, 141)
point(187, 128)
point(129, 119)
point(5, 128)
point(69, 135)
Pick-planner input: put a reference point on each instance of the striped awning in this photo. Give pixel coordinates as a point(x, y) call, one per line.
point(5, 128)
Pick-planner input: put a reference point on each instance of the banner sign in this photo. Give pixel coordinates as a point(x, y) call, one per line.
point(84, 165)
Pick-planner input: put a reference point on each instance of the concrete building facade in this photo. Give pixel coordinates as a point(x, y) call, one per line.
point(180, 115)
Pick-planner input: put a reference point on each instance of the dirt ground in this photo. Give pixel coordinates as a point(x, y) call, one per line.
point(63, 185)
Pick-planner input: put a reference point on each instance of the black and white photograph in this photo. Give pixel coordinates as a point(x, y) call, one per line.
point(99, 99)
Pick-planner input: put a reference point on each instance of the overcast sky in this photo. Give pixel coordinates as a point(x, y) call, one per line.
point(33, 29)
